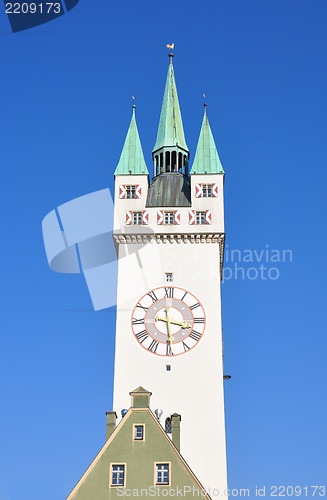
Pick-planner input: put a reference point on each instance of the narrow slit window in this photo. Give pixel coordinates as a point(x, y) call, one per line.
point(168, 425)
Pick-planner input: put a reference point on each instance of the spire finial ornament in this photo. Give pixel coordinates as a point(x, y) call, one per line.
point(205, 104)
point(133, 106)
point(171, 54)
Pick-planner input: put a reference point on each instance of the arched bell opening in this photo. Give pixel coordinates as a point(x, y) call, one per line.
point(174, 161)
point(168, 165)
point(180, 162)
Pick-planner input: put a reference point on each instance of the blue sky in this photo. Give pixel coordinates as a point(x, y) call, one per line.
point(65, 106)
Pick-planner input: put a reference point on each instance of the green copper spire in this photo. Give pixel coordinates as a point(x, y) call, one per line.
point(170, 131)
point(206, 159)
point(132, 160)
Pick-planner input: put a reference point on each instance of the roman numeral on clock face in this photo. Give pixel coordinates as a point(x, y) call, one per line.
point(153, 296)
point(142, 307)
point(168, 350)
point(199, 320)
point(186, 347)
point(153, 346)
point(195, 335)
point(195, 306)
point(142, 336)
point(138, 321)
point(169, 292)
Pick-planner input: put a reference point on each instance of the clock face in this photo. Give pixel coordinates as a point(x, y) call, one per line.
point(168, 321)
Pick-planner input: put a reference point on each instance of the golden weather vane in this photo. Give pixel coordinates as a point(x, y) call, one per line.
point(171, 47)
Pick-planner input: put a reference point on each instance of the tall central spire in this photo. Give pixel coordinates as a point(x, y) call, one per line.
point(170, 151)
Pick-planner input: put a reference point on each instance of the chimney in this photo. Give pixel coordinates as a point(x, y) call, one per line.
point(111, 423)
point(176, 430)
point(140, 398)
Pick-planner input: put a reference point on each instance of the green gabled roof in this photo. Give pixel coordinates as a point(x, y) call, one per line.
point(206, 157)
point(170, 131)
point(132, 159)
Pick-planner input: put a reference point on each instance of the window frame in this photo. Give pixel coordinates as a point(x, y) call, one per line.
point(169, 275)
point(137, 213)
point(203, 215)
point(205, 188)
point(156, 477)
point(134, 432)
point(115, 464)
point(130, 189)
point(171, 215)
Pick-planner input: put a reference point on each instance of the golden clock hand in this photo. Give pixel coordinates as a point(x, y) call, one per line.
point(157, 318)
point(183, 324)
point(170, 339)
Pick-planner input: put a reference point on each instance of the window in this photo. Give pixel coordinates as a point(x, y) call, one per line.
point(169, 277)
point(168, 368)
point(137, 217)
point(138, 432)
point(169, 218)
point(118, 475)
point(131, 192)
point(162, 473)
point(207, 190)
point(200, 217)
point(168, 425)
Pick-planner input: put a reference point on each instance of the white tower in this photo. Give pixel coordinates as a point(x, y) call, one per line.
point(169, 236)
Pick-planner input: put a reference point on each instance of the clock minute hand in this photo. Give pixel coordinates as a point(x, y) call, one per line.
point(183, 324)
point(170, 338)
